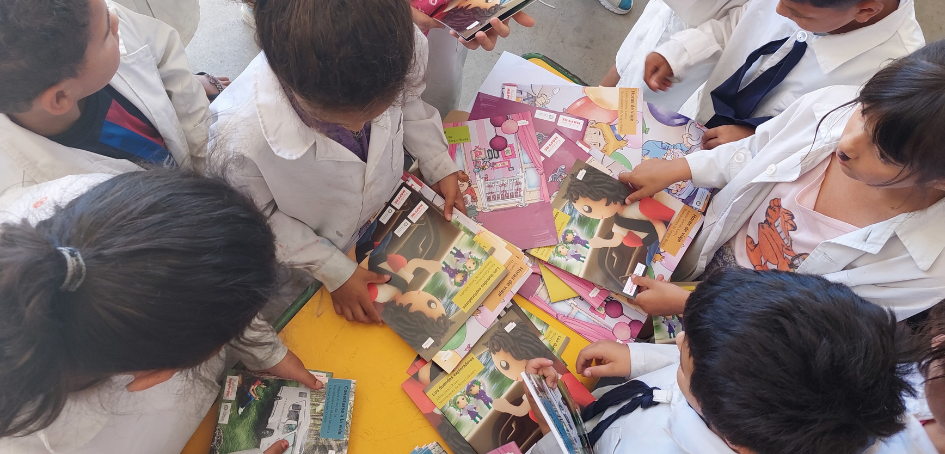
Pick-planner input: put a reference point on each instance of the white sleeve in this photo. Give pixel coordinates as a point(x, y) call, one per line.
point(694, 46)
point(267, 351)
point(546, 445)
point(699, 11)
point(646, 358)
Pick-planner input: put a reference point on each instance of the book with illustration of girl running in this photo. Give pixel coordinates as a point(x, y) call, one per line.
point(468, 17)
point(605, 240)
point(502, 178)
point(438, 274)
point(484, 398)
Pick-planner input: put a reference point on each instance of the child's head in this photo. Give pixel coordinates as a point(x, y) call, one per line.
point(473, 387)
point(175, 267)
point(825, 16)
point(897, 135)
point(780, 362)
point(463, 180)
point(597, 195)
point(344, 62)
point(55, 53)
point(932, 364)
point(459, 401)
point(512, 349)
point(416, 317)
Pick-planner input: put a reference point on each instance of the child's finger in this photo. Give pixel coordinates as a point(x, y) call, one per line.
point(524, 19)
point(484, 41)
point(347, 313)
point(337, 309)
point(502, 28)
point(377, 278)
point(370, 313)
point(459, 205)
point(588, 355)
point(603, 370)
point(709, 135)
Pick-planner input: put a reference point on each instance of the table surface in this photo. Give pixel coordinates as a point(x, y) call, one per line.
point(385, 419)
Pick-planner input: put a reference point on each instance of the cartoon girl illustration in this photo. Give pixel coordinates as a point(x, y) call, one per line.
point(566, 252)
point(470, 198)
point(571, 237)
point(463, 405)
point(466, 260)
point(457, 276)
point(475, 390)
point(602, 137)
point(470, 12)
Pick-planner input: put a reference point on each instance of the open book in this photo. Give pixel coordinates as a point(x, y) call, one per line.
point(561, 413)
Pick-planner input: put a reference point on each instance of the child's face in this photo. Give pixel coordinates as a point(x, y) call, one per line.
point(820, 20)
point(102, 55)
point(685, 371)
point(461, 402)
point(470, 264)
point(561, 249)
point(508, 365)
point(594, 137)
point(474, 389)
point(597, 209)
point(859, 157)
point(463, 185)
point(568, 237)
point(423, 302)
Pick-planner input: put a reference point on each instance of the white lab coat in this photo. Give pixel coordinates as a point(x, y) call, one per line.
point(675, 428)
point(844, 59)
point(155, 76)
point(659, 21)
point(108, 418)
point(183, 15)
point(316, 192)
point(896, 263)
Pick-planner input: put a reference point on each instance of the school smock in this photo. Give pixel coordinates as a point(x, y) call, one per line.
point(317, 194)
point(155, 76)
point(675, 428)
point(108, 418)
point(897, 263)
point(183, 15)
point(843, 59)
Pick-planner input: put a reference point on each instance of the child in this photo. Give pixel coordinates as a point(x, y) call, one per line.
point(118, 315)
point(763, 62)
point(92, 90)
point(924, 432)
point(318, 125)
point(770, 362)
point(849, 193)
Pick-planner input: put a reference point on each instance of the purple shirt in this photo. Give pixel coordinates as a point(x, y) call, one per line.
point(346, 137)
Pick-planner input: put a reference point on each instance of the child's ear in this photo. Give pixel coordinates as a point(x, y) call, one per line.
point(58, 99)
point(867, 9)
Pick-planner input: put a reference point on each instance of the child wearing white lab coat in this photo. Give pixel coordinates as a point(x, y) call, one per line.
point(847, 183)
point(316, 129)
point(104, 97)
point(121, 297)
point(768, 53)
point(770, 362)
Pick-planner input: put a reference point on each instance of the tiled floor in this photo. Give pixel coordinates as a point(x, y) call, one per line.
point(579, 34)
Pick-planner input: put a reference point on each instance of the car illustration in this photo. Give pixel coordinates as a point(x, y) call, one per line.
point(289, 419)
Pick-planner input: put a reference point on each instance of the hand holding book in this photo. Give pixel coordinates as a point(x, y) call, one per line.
point(654, 175)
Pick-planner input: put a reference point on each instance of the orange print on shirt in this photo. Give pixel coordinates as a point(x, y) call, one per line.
point(774, 249)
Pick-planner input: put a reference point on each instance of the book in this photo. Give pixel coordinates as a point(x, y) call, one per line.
point(561, 413)
point(258, 410)
point(510, 448)
point(613, 320)
point(438, 274)
point(502, 179)
point(669, 135)
point(546, 120)
point(468, 17)
point(432, 448)
point(584, 288)
point(605, 241)
point(484, 397)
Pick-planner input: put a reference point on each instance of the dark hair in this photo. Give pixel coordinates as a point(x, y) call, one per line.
point(416, 327)
point(597, 185)
point(177, 266)
point(42, 43)
point(833, 4)
point(520, 342)
point(788, 363)
point(345, 55)
point(933, 326)
point(904, 105)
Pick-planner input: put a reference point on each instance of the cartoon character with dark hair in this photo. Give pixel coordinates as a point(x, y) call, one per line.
point(458, 277)
point(644, 223)
point(476, 390)
point(463, 404)
point(567, 252)
point(511, 350)
point(465, 264)
point(247, 392)
point(571, 237)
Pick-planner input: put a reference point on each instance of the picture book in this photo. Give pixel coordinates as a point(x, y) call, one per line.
point(432, 448)
point(468, 17)
point(554, 339)
point(258, 410)
point(502, 179)
point(586, 289)
point(559, 154)
point(484, 398)
point(561, 413)
point(612, 320)
point(610, 240)
point(669, 135)
point(558, 290)
point(438, 274)
point(613, 119)
point(510, 448)
point(420, 372)
point(546, 121)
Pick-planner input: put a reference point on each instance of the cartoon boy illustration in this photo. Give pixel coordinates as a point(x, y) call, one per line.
point(571, 237)
point(470, 198)
point(475, 390)
point(461, 403)
point(567, 252)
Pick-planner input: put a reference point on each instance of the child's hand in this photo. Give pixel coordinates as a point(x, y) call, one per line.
point(488, 39)
point(424, 22)
point(448, 188)
point(656, 297)
point(654, 175)
point(604, 359)
point(543, 367)
point(291, 367)
point(278, 447)
point(352, 299)
point(725, 134)
point(657, 72)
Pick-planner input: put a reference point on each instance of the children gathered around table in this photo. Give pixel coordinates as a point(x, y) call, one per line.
point(144, 231)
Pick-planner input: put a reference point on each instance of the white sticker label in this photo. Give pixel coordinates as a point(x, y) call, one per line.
point(472, 25)
point(508, 92)
point(631, 288)
point(224, 413)
point(445, 356)
point(523, 122)
point(413, 184)
point(510, 327)
point(387, 214)
point(701, 196)
point(401, 198)
point(545, 115)
point(403, 228)
point(594, 292)
point(229, 388)
point(428, 343)
point(580, 175)
point(417, 212)
point(552, 145)
point(570, 123)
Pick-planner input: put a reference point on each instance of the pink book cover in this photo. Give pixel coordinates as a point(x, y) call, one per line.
point(546, 120)
point(502, 178)
point(510, 448)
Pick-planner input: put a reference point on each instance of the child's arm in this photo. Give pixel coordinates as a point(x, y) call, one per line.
point(613, 359)
point(264, 351)
point(184, 90)
point(694, 46)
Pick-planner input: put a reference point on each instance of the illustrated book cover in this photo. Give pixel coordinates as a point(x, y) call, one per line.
point(468, 17)
point(561, 413)
point(546, 120)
